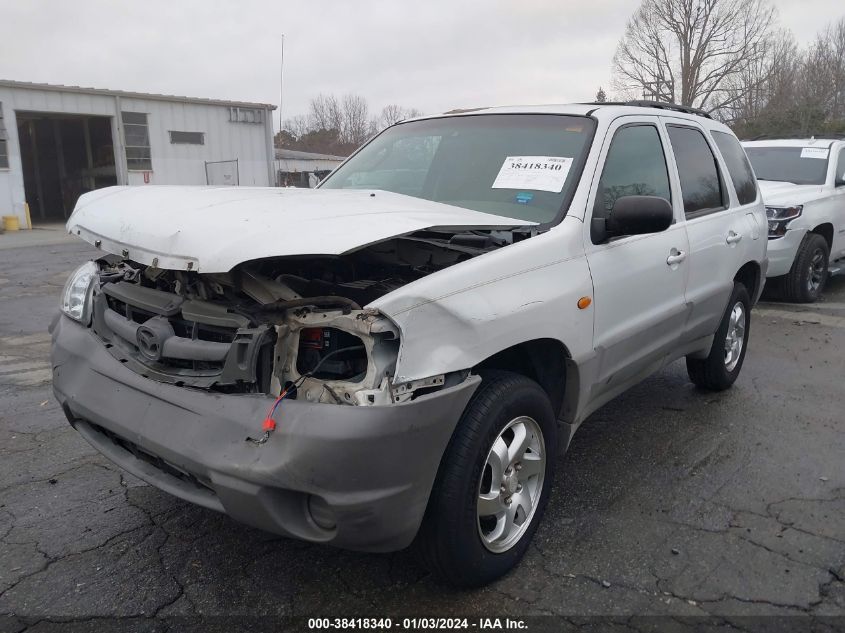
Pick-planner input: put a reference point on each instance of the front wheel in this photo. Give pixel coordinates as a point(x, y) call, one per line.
point(493, 483)
point(806, 279)
point(720, 369)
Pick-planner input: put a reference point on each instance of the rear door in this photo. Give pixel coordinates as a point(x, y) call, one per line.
point(715, 222)
point(638, 280)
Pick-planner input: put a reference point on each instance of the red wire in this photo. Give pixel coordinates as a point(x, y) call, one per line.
point(269, 423)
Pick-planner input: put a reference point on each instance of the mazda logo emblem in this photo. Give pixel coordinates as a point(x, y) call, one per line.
point(149, 343)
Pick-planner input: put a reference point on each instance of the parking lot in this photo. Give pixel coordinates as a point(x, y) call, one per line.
point(670, 501)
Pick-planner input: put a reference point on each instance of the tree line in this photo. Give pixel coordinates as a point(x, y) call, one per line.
point(732, 59)
point(338, 125)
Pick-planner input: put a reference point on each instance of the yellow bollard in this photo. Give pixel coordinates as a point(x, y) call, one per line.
point(11, 223)
point(28, 218)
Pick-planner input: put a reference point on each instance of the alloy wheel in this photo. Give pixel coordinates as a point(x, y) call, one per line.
point(511, 484)
point(817, 272)
point(735, 338)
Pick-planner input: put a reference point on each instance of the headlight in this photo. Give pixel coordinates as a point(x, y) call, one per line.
point(780, 217)
point(76, 296)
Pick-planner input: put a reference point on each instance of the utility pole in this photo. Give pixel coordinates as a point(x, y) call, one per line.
point(660, 90)
point(281, 84)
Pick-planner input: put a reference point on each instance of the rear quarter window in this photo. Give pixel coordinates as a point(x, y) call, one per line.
point(840, 169)
point(738, 167)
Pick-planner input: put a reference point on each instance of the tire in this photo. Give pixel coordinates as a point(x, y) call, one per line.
point(451, 540)
point(718, 371)
point(805, 281)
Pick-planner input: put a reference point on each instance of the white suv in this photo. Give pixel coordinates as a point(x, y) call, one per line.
point(400, 354)
point(803, 185)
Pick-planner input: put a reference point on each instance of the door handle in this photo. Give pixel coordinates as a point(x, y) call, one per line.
point(676, 257)
point(733, 237)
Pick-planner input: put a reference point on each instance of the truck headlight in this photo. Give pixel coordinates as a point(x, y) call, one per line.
point(76, 296)
point(780, 217)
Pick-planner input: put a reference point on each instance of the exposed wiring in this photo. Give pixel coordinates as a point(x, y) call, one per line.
point(269, 424)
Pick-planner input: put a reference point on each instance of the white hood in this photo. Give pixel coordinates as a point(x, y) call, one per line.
point(213, 229)
point(785, 194)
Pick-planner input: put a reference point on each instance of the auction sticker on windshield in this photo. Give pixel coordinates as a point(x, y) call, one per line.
point(814, 152)
point(540, 173)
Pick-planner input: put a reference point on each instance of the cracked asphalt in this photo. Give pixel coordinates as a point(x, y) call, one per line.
point(670, 501)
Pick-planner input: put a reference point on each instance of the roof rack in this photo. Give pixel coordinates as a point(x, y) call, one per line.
point(660, 105)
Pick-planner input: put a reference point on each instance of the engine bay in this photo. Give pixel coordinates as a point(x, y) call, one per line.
point(291, 324)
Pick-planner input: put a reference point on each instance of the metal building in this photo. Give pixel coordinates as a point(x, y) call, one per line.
point(303, 169)
point(57, 142)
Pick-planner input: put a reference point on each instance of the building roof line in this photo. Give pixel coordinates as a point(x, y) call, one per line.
point(28, 85)
point(283, 153)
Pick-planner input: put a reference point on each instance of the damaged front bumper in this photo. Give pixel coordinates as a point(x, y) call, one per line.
point(356, 477)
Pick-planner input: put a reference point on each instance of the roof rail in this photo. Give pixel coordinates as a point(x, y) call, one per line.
point(661, 105)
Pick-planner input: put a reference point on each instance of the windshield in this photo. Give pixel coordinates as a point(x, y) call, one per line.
point(515, 165)
point(798, 165)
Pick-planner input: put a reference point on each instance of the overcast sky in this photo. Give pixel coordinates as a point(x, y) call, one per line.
point(433, 55)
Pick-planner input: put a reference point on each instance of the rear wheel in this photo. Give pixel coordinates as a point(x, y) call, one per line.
point(805, 281)
point(493, 483)
point(720, 369)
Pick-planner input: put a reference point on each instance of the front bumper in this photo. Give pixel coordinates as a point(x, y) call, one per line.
point(782, 252)
point(372, 466)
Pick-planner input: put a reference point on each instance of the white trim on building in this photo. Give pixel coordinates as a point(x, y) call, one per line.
point(296, 167)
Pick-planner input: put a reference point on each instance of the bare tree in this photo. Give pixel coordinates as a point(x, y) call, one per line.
point(325, 113)
point(823, 80)
point(393, 113)
point(688, 51)
point(355, 119)
point(297, 126)
point(337, 125)
point(765, 84)
point(837, 44)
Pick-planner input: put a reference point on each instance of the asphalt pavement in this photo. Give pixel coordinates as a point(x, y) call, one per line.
point(670, 502)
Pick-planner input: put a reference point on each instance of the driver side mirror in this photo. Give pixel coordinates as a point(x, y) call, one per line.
point(635, 215)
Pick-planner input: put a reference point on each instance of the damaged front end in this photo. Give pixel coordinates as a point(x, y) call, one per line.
point(288, 324)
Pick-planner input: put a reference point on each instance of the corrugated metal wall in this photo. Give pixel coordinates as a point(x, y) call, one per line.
point(224, 140)
point(249, 143)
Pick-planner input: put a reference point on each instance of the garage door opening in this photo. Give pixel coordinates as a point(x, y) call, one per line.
point(63, 157)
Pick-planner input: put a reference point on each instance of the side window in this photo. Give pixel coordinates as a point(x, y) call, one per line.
point(738, 166)
point(635, 166)
point(700, 182)
point(840, 169)
point(136, 136)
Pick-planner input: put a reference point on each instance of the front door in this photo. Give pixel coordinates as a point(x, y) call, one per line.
point(639, 280)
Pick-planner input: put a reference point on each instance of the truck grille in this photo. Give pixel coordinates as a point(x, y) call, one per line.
point(165, 337)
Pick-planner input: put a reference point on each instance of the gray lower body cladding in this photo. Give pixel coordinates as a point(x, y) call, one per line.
point(372, 467)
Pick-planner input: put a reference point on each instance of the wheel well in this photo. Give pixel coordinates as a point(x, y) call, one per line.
point(543, 360)
point(826, 231)
point(749, 276)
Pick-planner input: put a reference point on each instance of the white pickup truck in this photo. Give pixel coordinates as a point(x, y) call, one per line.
point(803, 187)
